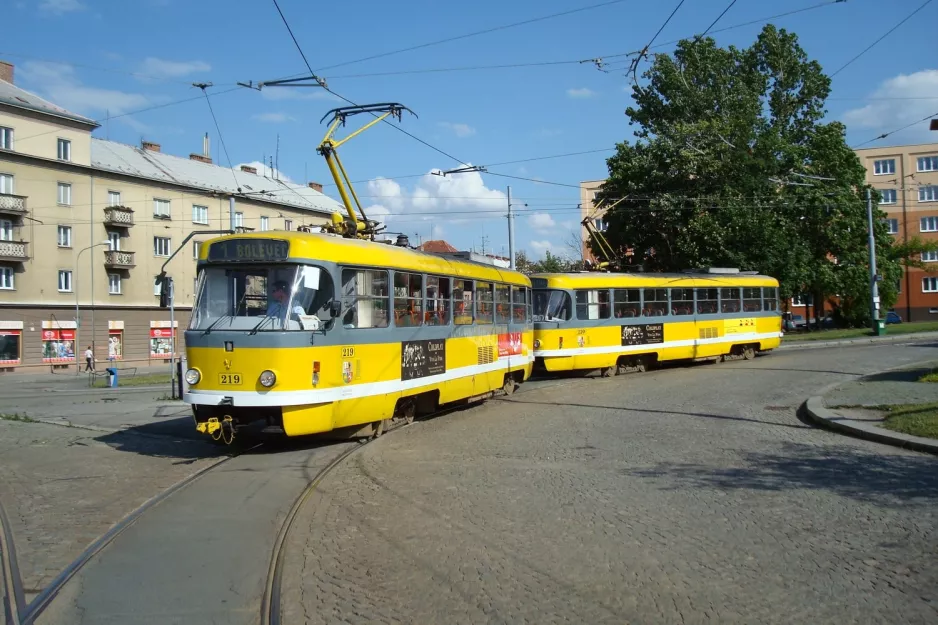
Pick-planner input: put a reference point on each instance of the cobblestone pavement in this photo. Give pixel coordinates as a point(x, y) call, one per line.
point(63, 487)
point(688, 495)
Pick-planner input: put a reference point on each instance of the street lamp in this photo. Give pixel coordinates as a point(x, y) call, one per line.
point(75, 286)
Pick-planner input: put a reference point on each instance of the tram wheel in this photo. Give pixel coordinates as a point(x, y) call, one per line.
point(509, 386)
point(408, 411)
point(607, 372)
point(640, 365)
point(378, 427)
point(749, 353)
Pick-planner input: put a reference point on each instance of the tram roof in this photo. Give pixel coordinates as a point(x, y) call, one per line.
point(357, 252)
point(583, 280)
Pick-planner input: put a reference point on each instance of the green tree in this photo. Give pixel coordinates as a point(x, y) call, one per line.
point(733, 166)
point(550, 264)
point(523, 263)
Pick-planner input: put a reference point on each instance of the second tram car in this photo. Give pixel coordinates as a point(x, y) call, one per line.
point(620, 321)
point(314, 332)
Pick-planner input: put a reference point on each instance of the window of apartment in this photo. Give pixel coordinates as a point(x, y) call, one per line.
point(114, 283)
point(113, 198)
point(930, 285)
point(928, 224)
point(925, 163)
point(288, 224)
point(65, 281)
point(161, 208)
point(65, 150)
point(161, 246)
point(196, 249)
point(6, 230)
point(199, 214)
point(114, 241)
point(239, 220)
point(65, 193)
point(6, 278)
point(892, 225)
point(600, 224)
point(6, 138)
point(929, 257)
point(885, 166)
point(6, 184)
point(265, 224)
point(928, 194)
point(65, 236)
point(888, 195)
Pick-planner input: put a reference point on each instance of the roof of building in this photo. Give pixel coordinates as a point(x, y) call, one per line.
point(12, 95)
point(437, 246)
point(133, 161)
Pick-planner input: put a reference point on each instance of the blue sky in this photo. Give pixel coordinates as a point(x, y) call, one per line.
point(93, 56)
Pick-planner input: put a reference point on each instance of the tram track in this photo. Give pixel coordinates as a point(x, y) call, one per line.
point(14, 598)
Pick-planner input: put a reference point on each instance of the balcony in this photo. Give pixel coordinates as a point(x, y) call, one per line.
point(118, 259)
point(12, 204)
point(15, 251)
point(119, 216)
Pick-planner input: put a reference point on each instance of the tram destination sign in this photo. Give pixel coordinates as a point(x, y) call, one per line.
point(248, 251)
point(644, 334)
point(420, 359)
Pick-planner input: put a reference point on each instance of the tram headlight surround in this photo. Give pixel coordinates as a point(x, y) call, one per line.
point(267, 378)
point(193, 376)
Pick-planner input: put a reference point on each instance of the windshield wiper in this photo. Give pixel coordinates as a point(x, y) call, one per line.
point(208, 330)
point(256, 328)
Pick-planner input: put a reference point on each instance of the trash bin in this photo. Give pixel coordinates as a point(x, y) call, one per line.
point(112, 377)
point(880, 328)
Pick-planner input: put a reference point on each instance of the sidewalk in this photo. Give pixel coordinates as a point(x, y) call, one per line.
point(16, 384)
point(863, 340)
point(900, 386)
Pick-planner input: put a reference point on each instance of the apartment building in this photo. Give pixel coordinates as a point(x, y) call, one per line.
point(87, 224)
point(906, 177)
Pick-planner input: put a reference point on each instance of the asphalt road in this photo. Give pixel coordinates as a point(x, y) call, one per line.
point(691, 494)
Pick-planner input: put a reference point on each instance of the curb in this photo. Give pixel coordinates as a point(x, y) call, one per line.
point(868, 340)
point(815, 410)
point(104, 392)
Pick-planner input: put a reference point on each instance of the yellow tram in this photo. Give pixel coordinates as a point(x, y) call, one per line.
point(617, 322)
point(315, 332)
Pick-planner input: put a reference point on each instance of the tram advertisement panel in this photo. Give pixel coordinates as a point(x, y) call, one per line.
point(420, 359)
point(509, 344)
point(646, 334)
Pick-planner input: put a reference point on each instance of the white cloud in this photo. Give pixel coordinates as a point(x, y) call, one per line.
point(161, 68)
point(266, 170)
point(889, 114)
point(540, 248)
point(452, 198)
point(277, 94)
point(60, 7)
point(581, 93)
point(460, 130)
point(541, 222)
point(58, 83)
point(273, 118)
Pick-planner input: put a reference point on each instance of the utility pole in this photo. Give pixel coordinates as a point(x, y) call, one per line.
point(511, 233)
point(874, 284)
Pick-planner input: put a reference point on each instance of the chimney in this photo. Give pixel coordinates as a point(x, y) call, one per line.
point(249, 169)
point(205, 150)
point(6, 71)
point(201, 158)
point(148, 145)
point(315, 186)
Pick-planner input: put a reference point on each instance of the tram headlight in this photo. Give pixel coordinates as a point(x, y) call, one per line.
point(268, 378)
point(193, 376)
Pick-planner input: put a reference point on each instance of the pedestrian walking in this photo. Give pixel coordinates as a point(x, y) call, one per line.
point(89, 359)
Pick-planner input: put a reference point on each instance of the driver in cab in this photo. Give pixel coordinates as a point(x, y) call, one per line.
point(277, 306)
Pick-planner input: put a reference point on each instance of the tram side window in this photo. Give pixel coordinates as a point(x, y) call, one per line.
point(408, 299)
point(707, 301)
point(462, 301)
point(729, 299)
point(438, 293)
point(365, 298)
point(627, 302)
point(682, 301)
point(484, 303)
point(519, 304)
point(656, 303)
point(752, 299)
point(770, 298)
point(502, 303)
point(592, 303)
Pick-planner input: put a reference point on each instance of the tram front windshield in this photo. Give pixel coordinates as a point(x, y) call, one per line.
point(261, 298)
point(551, 305)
